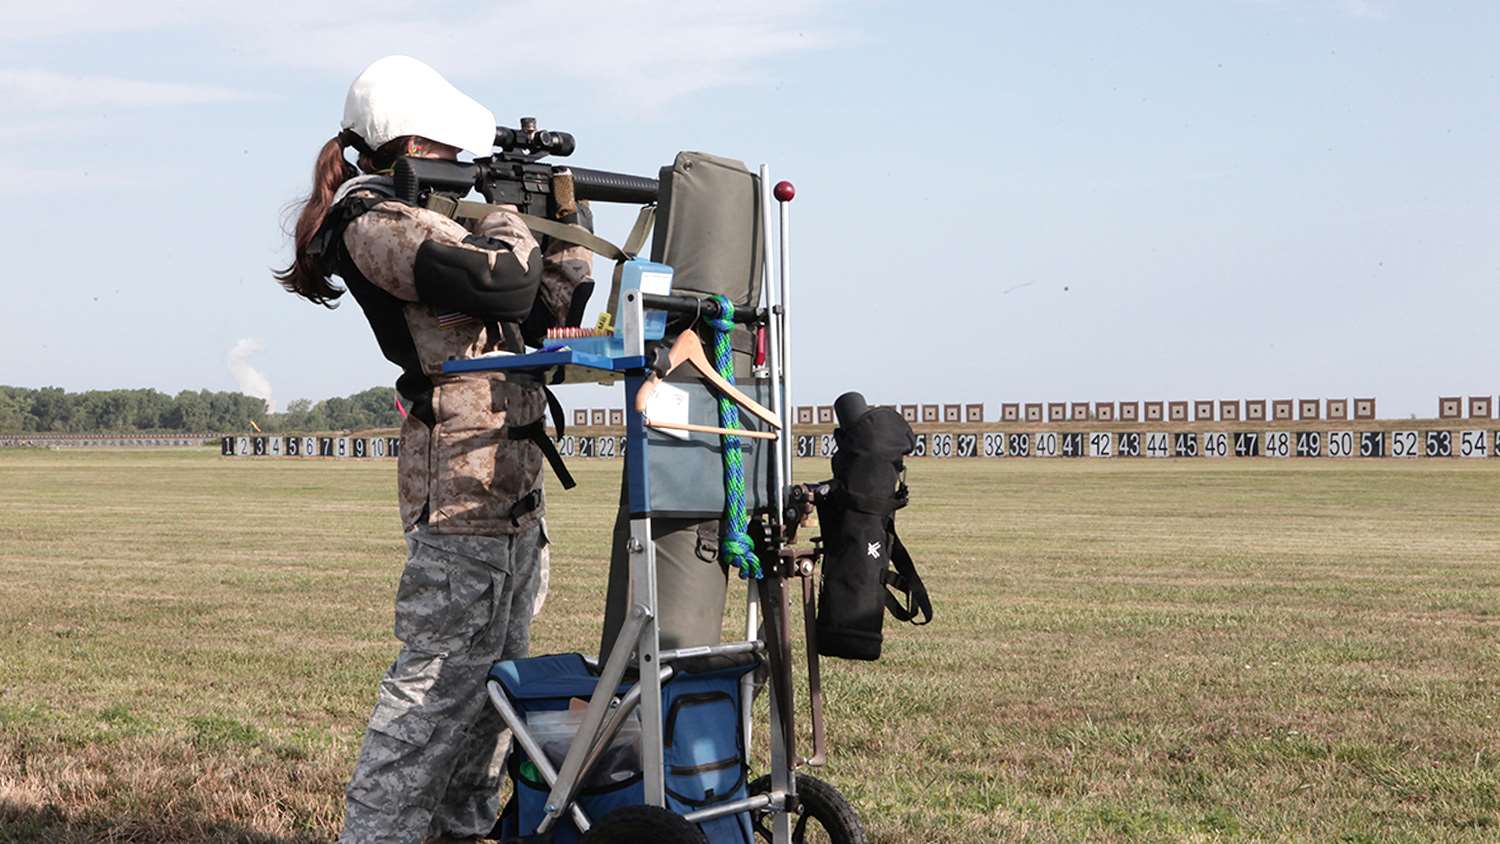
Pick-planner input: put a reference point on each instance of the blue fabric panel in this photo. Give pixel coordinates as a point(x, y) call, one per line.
point(704, 760)
point(705, 755)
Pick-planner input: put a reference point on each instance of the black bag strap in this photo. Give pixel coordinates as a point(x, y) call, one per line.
point(536, 432)
point(555, 408)
point(906, 580)
point(525, 504)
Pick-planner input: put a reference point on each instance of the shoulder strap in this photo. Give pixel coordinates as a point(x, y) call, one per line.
point(328, 239)
point(906, 580)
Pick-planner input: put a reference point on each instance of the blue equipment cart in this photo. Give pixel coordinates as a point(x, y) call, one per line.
point(662, 751)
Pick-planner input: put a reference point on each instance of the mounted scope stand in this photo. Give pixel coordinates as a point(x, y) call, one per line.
point(639, 675)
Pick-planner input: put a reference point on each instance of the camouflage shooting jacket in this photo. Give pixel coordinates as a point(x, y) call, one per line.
point(460, 467)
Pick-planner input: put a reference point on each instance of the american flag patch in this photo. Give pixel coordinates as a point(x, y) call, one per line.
point(454, 319)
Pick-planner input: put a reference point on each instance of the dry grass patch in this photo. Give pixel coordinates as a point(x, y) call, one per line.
point(1125, 651)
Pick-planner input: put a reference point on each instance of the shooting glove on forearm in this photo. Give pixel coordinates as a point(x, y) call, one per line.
point(567, 270)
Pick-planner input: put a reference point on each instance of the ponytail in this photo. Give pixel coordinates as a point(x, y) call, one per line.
point(307, 276)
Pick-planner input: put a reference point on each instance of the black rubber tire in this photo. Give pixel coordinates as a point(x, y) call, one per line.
point(643, 825)
point(818, 803)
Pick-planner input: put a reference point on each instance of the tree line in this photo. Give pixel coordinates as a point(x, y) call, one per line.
point(54, 410)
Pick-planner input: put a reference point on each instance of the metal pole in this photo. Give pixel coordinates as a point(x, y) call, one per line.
point(747, 682)
point(643, 586)
point(784, 193)
point(642, 554)
point(782, 782)
point(725, 649)
point(783, 779)
point(814, 675)
point(781, 448)
point(749, 804)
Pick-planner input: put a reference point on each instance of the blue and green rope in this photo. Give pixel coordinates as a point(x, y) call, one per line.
point(735, 547)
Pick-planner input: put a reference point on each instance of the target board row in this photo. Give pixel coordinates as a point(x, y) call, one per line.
point(1423, 443)
point(1212, 444)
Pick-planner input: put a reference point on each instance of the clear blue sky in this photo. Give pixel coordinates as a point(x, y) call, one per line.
point(997, 201)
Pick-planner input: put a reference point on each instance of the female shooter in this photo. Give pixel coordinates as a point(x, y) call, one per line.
point(471, 446)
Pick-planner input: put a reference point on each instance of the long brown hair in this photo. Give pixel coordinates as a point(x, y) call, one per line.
point(308, 277)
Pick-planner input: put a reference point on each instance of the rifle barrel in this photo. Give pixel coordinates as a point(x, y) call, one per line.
point(604, 186)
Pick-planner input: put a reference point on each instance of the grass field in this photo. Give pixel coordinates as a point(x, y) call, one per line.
point(1123, 651)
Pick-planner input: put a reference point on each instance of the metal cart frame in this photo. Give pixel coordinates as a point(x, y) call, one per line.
point(638, 643)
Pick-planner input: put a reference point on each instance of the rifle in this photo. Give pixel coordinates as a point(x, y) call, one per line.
point(515, 175)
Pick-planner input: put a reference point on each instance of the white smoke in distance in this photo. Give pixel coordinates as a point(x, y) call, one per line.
point(252, 381)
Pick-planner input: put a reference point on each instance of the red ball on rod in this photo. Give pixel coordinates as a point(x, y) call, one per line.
point(784, 191)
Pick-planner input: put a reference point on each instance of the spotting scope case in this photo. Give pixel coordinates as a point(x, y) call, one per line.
point(863, 558)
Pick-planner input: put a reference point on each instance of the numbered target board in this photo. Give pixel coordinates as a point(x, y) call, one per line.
point(1046, 444)
point(1278, 444)
point(1473, 444)
point(1309, 443)
point(1101, 445)
point(1216, 444)
point(994, 444)
point(1158, 442)
point(1340, 444)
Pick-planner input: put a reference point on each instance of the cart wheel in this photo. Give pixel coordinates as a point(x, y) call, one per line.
point(823, 815)
point(643, 825)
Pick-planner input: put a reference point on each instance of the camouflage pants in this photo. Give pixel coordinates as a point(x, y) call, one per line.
point(434, 750)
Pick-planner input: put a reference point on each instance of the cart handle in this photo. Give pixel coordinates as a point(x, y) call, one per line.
point(695, 306)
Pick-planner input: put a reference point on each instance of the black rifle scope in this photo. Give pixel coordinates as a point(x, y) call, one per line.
point(528, 139)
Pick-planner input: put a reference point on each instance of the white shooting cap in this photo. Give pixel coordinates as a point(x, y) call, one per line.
point(398, 95)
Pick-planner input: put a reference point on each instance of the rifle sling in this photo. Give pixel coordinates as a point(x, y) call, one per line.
point(640, 231)
point(566, 232)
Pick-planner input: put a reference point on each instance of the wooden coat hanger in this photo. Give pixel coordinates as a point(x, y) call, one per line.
point(688, 349)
